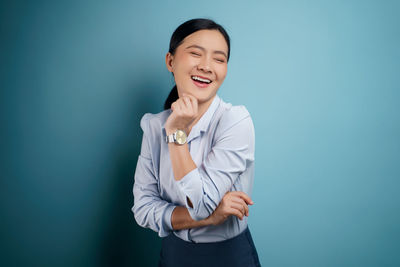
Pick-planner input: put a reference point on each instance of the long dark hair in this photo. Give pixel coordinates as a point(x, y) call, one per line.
point(180, 33)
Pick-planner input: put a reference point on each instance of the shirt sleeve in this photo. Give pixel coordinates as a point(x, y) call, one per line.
point(231, 153)
point(149, 209)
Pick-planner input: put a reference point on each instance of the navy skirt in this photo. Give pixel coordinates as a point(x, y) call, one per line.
point(237, 251)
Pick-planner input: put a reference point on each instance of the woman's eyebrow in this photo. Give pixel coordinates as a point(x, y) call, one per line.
point(203, 49)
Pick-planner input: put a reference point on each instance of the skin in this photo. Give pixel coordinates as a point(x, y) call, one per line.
point(198, 54)
point(201, 53)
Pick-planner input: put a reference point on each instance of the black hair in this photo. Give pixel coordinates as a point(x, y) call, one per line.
point(181, 33)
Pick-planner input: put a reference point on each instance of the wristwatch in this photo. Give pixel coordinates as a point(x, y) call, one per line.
point(179, 137)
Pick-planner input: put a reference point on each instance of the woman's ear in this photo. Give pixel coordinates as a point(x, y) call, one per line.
point(168, 61)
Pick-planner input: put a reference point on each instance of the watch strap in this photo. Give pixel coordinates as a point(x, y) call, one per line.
point(170, 138)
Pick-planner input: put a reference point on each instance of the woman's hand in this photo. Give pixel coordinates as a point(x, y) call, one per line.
point(233, 203)
point(184, 112)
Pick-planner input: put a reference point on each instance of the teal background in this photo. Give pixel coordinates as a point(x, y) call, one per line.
point(320, 79)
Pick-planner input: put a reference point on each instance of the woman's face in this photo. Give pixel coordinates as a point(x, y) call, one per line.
point(199, 64)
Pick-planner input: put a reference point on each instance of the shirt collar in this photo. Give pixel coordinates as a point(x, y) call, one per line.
point(204, 122)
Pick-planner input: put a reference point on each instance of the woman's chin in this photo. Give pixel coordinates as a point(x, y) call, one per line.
point(205, 99)
point(202, 96)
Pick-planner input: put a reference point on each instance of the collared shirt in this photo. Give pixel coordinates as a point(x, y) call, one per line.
point(222, 146)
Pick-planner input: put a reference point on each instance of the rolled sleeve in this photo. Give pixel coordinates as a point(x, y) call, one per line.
point(167, 225)
point(229, 157)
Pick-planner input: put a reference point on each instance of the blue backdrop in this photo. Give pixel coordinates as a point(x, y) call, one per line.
point(320, 79)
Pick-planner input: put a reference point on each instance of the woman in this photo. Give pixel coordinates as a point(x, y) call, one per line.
point(196, 166)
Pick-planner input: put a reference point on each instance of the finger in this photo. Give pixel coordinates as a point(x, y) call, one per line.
point(181, 105)
point(194, 102)
point(188, 100)
point(240, 201)
point(238, 207)
point(245, 197)
point(235, 212)
point(174, 106)
point(188, 103)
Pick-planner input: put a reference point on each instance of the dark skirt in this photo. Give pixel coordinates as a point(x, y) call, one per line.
point(237, 251)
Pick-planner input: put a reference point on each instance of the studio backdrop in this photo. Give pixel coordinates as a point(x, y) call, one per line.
point(320, 79)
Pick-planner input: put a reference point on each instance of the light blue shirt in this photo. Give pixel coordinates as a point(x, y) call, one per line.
point(222, 146)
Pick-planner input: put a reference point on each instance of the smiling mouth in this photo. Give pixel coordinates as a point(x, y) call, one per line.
point(201, 80)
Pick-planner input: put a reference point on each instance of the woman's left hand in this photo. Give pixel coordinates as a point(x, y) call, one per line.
point(184, 112)
point(233, 203)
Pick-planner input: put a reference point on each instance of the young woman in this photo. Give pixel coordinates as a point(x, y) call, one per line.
point(195, 171)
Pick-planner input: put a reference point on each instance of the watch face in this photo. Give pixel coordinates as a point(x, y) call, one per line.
point(180, 137)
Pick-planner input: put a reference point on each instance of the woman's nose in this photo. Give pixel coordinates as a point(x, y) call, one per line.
point(204, 65)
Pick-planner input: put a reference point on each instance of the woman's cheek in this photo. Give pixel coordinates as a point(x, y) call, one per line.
point(222, 70)
point(192, 62)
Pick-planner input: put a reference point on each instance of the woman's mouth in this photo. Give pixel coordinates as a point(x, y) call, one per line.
point(201, 82)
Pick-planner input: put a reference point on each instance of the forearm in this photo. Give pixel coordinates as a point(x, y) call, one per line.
point(181, 219)
point(182, 162)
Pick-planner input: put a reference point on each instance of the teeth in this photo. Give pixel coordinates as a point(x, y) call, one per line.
point(201, 79)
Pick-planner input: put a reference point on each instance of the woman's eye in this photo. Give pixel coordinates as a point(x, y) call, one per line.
point(194, 53)
point(220, 60)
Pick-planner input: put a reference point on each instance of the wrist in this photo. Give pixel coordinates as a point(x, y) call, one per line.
point(204, 222)
point(209, 220)
point(170, 131)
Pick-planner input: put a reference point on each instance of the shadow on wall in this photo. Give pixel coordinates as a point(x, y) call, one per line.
point(123, 242)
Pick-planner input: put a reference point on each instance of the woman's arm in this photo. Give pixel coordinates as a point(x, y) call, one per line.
point(233, 203)
point(153, 212)
point(181, 219)
point(184, 112)
point(150, 210)
point(182, 162)
point(232, 153)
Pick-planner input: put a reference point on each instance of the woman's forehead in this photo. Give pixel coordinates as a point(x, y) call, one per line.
point(208, 39)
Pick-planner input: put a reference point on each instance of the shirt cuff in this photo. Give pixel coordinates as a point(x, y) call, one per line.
point(166, 226)
point(191, 187)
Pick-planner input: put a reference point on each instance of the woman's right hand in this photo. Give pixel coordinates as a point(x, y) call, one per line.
point(233, 203)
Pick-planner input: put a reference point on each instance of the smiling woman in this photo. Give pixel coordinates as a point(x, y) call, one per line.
point(200, 61)
point(195, 171)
